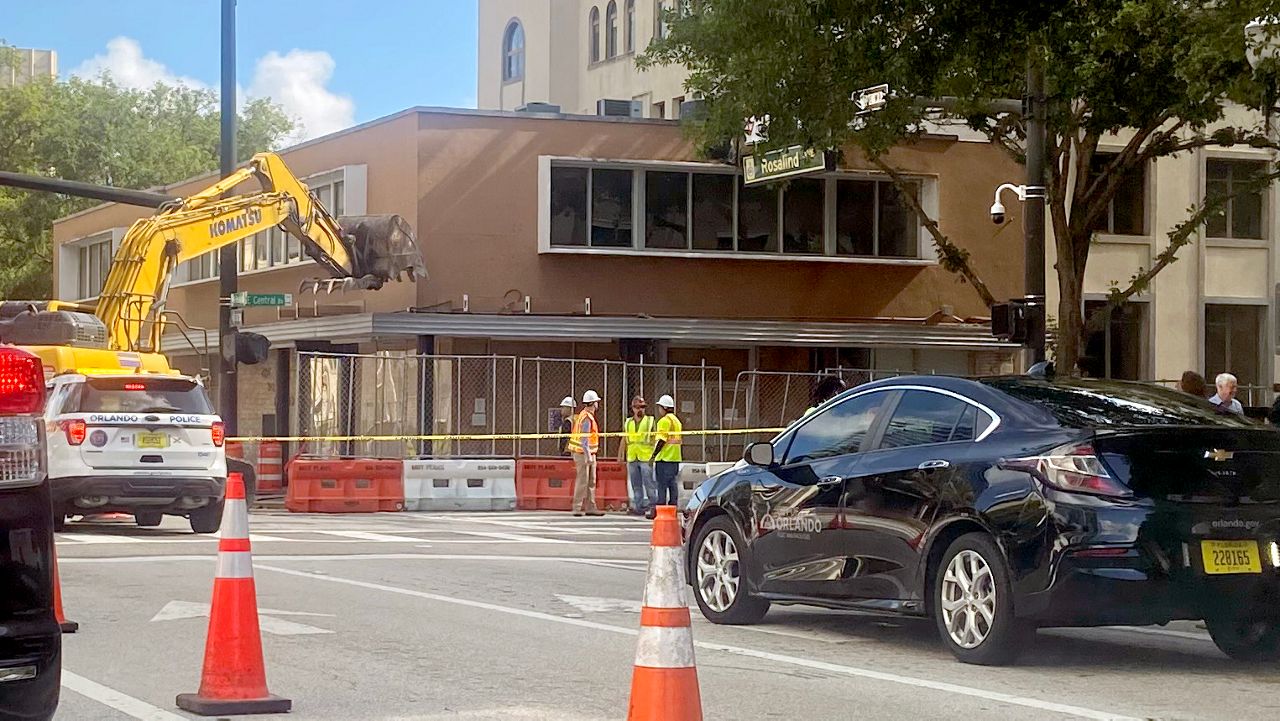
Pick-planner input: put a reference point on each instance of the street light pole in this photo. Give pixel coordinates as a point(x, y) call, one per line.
point(227, 387)
point(1034, 210)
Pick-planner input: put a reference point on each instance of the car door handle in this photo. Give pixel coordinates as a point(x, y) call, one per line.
point(830, 480)
point(930, 465)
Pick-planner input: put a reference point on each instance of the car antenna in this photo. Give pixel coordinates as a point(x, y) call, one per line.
point(1043, 369)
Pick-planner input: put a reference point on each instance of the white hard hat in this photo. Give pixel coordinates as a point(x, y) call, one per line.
point(590, 397)
point(567, 402)
point(667, 402)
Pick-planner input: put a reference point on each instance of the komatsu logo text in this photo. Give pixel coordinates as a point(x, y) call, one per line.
point(247, 219)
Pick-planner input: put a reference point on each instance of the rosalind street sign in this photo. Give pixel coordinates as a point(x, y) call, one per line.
point(244, 300)
point(777, 164)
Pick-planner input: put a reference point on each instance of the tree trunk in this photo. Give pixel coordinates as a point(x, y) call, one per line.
point(1070, 340)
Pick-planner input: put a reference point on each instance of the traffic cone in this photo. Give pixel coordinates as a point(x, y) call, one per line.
point(664, 685)
point(63, 623)
point(234, 679)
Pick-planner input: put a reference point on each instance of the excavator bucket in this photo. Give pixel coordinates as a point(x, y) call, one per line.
point(383, 248)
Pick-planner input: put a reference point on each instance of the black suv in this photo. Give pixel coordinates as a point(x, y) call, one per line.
point(30, 640)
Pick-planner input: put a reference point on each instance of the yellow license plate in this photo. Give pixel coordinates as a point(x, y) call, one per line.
point(1222, 557)
point(151, 440)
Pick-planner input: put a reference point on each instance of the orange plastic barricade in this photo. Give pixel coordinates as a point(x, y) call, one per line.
point(544, 484)
point(235, 449)
point(360, 485)
point(270, 466)
point(611, 486)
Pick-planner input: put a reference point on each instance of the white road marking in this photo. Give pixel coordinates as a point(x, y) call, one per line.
point(112, 698)
point(1066, 709)
point(628, 566)
point(1160, 632)
point(592, 604)
point(99, 538)
point(63, 561)
point(367, 536)
point(519, 538)
point(177, 610)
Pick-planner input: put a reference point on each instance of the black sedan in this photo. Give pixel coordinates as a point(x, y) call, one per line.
point(1001, 505)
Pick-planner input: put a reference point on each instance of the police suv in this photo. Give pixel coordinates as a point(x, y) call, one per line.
point(135, 443)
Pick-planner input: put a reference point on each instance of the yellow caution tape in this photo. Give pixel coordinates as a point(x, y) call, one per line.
point(483, 437)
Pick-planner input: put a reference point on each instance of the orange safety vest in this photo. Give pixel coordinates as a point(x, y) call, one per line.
point(585, 424)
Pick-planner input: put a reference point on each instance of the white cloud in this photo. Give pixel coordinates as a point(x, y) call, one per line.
point(297, 82)
point(126, 65)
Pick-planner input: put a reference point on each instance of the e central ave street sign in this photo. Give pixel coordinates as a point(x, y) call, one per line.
point(777, 164)
point(250, 300)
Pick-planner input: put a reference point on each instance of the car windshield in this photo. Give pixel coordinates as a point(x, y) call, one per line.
point(1080, 403)
point(145, 395)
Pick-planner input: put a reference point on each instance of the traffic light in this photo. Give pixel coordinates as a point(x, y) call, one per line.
point(1017, 321)
point(251, 348)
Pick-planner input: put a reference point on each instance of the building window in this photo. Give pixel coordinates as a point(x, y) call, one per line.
point(675, 107)
point(631, 25)
point(666, 210)
point(513, 52)
point(873, 220)
point(1126, 214)
point(1117, 350)
point(678, 207)
point(1244, 211)
point(660, 110)
point(595, 34)
point(659, 19)
point(1234, 342)
point(94, 262)
point(611, 30)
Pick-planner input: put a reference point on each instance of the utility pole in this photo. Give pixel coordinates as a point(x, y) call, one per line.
point(227, 387)
point(1034, 209)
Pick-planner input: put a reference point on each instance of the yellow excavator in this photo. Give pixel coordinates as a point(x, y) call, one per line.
point(122, 330)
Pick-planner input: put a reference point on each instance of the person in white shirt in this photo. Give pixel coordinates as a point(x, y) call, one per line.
point(1225, 398)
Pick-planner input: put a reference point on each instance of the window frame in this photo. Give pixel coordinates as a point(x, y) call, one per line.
point(94, 255)
point(1265, 196)
point(868, 441)
point(926, 184)
point(629, 25)
point(611, 30)
point(877, 443)
point(593, 32)
point(510, 52)
point(1109, 221)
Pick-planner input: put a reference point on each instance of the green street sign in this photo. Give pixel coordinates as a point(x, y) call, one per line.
point(778, 164)
point(249, 300)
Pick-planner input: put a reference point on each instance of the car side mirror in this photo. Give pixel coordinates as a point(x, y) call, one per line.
point(759, 454)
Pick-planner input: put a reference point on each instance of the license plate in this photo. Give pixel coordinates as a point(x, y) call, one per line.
point(1223, 557)
point(151, 440)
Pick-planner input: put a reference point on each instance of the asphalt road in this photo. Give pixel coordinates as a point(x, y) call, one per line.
point(533, 616)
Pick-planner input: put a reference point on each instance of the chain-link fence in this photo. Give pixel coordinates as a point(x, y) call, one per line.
point(399, 393)
point(544, 382)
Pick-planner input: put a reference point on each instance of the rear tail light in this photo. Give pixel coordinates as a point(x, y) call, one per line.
point(1073, 468)
point(219, 430)
point(135, 386)
point(75, 430)
point(21, 400)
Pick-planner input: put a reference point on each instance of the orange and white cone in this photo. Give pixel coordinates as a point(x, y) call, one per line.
point(234, 679)
point(63, 623)
point(664, 685)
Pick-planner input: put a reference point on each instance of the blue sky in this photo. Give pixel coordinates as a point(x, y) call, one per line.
point(381, 56)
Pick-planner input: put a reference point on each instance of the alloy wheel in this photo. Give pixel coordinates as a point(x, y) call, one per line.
point(968, 599)
point(718, 571)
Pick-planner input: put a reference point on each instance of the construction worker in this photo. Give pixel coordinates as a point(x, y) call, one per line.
point(566, 424)
point(829, 387)
point(634, 450)
point(584, 444)
point(666, 456)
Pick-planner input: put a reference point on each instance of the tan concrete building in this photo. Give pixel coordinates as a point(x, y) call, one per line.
point(25, 64)
point(1211, 311)
point(575, 54)
point(605, 238)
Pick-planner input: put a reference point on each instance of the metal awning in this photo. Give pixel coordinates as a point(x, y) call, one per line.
point(681, 331)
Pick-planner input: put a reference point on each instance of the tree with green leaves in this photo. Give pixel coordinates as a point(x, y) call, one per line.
point(98, 132)
point(1158, 77)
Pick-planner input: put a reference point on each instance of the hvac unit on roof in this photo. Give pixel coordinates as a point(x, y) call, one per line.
point(620, 108)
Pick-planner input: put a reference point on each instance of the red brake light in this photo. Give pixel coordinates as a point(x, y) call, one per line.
point(135, 386)
point(21, 382)
point(219, 431)
point(75, 430)
point(1073, 468)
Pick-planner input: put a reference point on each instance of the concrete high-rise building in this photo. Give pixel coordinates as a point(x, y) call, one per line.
point(575, 54)
point(20, 65)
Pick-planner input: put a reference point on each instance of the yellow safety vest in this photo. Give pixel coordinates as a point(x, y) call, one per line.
point(585, 425)
point(639, 438)
point(670, 431)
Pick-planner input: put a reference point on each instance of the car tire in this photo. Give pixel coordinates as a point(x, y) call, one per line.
point(717, 575)
point(1245, 639)
point(976, 621)
point(207, 519)
point(148, 519)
